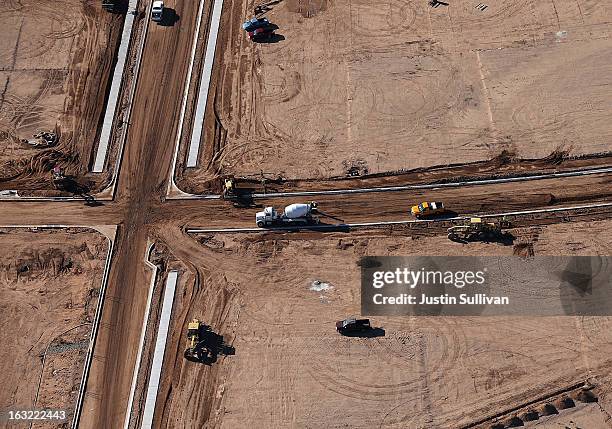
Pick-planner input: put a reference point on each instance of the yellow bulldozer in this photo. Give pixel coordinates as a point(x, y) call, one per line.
point(475, 229)
point(194, 350)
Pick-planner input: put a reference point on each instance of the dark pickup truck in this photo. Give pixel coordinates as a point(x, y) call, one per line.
point(352, 325)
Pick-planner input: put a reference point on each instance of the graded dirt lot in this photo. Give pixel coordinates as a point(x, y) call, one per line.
point(55, 60)
point(49, 286)
point(275, 298)
point(358, 87)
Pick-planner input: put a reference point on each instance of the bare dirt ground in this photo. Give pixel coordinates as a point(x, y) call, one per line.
point(55, 61)
point(49, 286)
point(366, 88)
point(291, 369)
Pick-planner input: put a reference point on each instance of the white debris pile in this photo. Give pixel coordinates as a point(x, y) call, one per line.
point(320, 286)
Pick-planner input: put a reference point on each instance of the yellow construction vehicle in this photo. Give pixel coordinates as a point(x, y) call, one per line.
point(229, 188)
point(477, 229)
point(192, 352)
point(240, 197)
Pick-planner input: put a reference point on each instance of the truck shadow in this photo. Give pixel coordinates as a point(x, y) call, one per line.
point(449, 214)
point(319, 227)
point(370, 333)
point(326, 227)
point(169, 17)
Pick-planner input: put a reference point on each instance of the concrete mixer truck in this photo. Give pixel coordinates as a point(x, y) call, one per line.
point(294, 214)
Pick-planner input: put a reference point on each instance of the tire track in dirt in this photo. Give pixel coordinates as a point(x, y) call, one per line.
point(494, 17)
point(434, 349)
point(399, 17)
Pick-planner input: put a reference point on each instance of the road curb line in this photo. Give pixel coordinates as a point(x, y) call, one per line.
point(154, 268)
point(475, 182)
point(397, 222)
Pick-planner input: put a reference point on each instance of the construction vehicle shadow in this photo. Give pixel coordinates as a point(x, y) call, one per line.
point(505, 239)
point(169, 17)
point(267, 7)
point(272, 38)
point(245, 202)
point(70, 185)
point(368, 333)
point(242, 198)
point(209, 347)
point(437, 3)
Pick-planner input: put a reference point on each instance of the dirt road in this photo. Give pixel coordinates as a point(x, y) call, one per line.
point(141, 186)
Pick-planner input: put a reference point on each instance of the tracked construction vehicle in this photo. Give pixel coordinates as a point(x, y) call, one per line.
point(294, 214)
point(476, 229)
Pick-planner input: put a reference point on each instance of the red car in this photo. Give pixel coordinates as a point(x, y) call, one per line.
point(261, 34)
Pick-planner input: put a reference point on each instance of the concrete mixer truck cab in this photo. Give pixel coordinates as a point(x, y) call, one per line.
point(294, 214)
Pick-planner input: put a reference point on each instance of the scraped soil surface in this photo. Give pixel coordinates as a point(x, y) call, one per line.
point(49, 287)
point(56, 58)
point(359, 87)
point(275, 297)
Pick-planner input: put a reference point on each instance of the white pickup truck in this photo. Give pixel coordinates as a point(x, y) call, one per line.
point(157, 11)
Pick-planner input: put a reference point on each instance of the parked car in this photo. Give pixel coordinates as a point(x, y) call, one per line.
point(255, 23)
